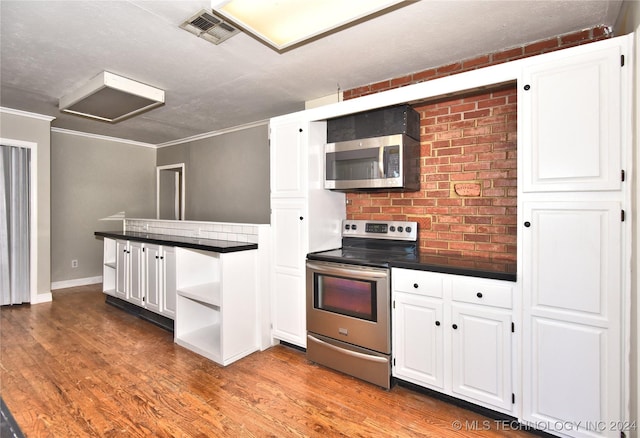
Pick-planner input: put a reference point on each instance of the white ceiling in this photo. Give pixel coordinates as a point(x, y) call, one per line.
point(49, 48)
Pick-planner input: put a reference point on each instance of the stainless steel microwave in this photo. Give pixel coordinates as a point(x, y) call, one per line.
point(385, 163)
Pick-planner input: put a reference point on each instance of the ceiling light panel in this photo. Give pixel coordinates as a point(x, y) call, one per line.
point(111, 98)
point(285, 23)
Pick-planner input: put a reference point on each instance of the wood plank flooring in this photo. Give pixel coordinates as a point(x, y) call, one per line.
point(78, 367)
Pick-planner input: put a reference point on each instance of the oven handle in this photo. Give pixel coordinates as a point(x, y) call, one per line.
point(356, 354)
point(369, 273)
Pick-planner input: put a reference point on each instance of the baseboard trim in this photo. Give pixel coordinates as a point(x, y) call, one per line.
point(76, 282)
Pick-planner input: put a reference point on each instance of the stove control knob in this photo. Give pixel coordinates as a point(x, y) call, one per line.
point(354, 227)
point(392, 228)
point(399, 229)
point(408, 229)
point(347, 226)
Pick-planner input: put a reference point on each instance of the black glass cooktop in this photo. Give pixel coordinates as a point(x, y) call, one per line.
point(368, 252)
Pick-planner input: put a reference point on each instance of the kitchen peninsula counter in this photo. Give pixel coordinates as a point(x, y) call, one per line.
point(214, 245)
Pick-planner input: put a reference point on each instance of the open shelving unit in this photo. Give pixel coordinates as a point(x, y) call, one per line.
point(216, 303)
point(109, 267)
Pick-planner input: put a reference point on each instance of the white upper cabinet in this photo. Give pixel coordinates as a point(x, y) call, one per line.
point(572, 139)
point(288, 160)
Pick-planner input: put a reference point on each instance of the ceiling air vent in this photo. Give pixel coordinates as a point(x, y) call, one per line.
point(208, 26)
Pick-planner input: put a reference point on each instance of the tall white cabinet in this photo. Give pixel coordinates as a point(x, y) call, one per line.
point(572, 206)
point(304, 218)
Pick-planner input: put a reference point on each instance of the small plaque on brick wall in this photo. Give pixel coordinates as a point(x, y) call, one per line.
point(467, 189)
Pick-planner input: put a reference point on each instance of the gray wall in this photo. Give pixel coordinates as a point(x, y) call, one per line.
point(92, 179)
point(36, 130)
point(226, 176)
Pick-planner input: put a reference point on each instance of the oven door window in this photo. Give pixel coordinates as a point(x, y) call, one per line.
point(346, 296)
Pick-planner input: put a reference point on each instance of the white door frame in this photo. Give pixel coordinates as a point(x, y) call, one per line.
point(33, 215)
point(180, 168)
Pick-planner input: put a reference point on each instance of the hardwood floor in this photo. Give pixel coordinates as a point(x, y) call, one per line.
point(77, 367)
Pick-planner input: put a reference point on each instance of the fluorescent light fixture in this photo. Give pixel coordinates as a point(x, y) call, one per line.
point(111, 98)
point(285, 23)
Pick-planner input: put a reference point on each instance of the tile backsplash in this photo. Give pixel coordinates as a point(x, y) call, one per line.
point(206, 230)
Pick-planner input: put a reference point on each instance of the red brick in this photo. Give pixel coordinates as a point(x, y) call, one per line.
point(575, 37)
point(541, 46)
point(399, 82)
point(477, 238)
point(477, 220)
point(490, 103)
point(485, 165)
point(450, 168)
point(477, 114)
point(462, 245)
point(484, 229)
point(464, 141)
point(464, 107)
point(450, 68)
point(449, 118)
point(450, 236)
point(508, 54)
point(449, 151)
point(481, 130)
point(476, 62)
point(424, 75)
point(478, 201)
point(490, 247)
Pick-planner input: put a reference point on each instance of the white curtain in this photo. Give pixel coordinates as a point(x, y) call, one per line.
point(14, 225)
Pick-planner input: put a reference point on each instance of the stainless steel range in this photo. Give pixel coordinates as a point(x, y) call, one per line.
point(349, 298)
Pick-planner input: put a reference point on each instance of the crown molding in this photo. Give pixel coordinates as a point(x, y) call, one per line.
point(103, 137)
point(16, 112)
point(213, 133)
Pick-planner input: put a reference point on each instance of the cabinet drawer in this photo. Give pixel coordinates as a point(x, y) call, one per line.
point(417, 282)
point(480, 291)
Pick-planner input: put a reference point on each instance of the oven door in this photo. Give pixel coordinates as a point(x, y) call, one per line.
point(349, 303)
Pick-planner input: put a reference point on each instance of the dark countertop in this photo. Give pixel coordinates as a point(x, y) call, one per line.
point(460, 265)
point(451, 264)
point(214, 245)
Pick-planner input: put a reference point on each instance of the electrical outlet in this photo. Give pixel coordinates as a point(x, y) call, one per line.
point(74, 263)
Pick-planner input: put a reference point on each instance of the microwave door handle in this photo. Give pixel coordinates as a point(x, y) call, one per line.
point(381, 161)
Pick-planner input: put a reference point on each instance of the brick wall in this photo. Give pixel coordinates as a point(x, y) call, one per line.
point(467, 198)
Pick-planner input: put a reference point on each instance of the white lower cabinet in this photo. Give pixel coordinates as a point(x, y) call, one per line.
point(453, 334)
point(418, 340)
point(481, 355)
point(129, 272)
point(160, 280)
point(216, 303)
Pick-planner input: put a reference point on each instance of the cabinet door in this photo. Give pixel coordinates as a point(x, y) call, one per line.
point(288, 159)
point(572, 300)
point(152, 273)
point(418, 340)
point(572, 123)
point(122, 269)
point(481, 355)
point(168, 282)
point(288, 226)
point(136, 272)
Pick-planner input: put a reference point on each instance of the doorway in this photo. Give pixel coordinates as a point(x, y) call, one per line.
point(18, 220)
point(170, 191)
